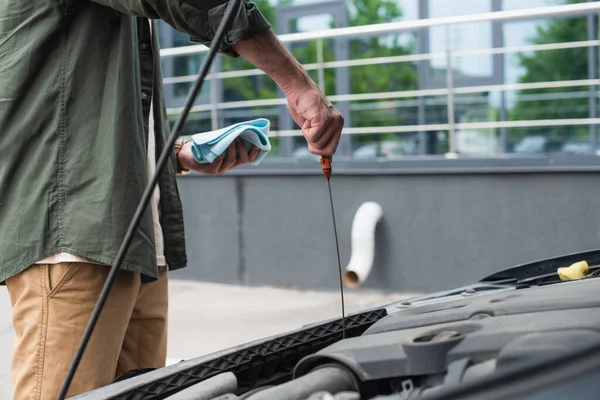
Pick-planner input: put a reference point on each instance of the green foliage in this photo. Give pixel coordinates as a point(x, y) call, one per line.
point(555, 65)
point(381, 77)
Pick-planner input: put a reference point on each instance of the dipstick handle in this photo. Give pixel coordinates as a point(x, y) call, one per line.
point(326, 166)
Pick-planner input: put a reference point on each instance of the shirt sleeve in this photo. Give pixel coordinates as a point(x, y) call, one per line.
point(198, 18)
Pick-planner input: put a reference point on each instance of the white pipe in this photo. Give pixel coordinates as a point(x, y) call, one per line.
point(363, 244)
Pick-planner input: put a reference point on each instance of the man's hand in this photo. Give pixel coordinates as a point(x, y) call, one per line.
point(321, 123)
point(236, 155)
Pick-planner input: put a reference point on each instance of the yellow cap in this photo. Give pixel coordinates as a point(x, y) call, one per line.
point(573, 272)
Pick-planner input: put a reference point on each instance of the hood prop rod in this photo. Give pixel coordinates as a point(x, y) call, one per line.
point(230, 13)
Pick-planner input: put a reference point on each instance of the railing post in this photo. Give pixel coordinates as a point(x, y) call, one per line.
point(424, 137)
point(214, 101)
point(498, 68)
point(592, 90)
point(320, 62)
point(450, 87)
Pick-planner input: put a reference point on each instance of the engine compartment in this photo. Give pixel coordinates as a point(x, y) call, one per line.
point(419, 348)
point(407, 349)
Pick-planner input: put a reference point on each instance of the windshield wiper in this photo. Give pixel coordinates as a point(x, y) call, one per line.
point(543, 271)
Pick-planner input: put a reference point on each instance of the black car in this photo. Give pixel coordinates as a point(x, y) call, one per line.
point(522, 333)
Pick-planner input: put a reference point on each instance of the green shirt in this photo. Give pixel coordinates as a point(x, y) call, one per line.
point(77, 80)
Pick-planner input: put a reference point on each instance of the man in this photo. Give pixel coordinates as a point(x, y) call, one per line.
point(82, 122)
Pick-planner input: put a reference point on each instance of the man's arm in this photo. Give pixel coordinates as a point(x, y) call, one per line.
point(197, 18)
point(321, 123)
point(251, 38)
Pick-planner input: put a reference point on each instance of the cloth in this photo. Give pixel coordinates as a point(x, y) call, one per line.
point(76, 87)
point(209, 145)
point(51, 306)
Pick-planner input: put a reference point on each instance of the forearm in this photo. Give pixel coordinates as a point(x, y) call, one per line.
point(266, 52)
point(320, 122)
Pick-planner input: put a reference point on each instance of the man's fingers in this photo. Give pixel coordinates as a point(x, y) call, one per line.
point(312, 134)
point(253, 153)
point(331, 138)
point(231, 154)
point(330, 148)
point(230, 159)
point(214, 167)
point(242, 153)
point(324, 136)
point(330, 127)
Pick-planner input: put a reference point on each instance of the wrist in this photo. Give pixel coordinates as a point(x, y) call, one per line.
point(182, 164)
point(296, 81)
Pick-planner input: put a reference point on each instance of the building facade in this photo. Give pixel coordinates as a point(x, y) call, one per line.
point(415, 119)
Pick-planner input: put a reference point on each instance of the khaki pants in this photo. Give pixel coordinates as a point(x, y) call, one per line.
point(51, 306)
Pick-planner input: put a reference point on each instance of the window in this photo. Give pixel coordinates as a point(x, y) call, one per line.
point(457, 37)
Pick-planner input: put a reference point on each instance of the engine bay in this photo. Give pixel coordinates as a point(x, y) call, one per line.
point(408, 349)
point(419, 348)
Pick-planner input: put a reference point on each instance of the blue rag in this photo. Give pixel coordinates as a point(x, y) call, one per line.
point(207, 146)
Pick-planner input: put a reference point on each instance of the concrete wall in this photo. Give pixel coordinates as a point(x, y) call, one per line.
point(438, 230)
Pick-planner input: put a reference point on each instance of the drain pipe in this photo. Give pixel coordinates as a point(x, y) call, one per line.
point(363, 244)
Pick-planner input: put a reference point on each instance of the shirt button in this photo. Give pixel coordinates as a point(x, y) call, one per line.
point(144, 46)
point(144, 95)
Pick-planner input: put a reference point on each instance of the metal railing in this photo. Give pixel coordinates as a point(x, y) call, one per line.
point(580, 9)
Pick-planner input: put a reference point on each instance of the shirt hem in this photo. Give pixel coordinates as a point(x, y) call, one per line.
point(147, 276)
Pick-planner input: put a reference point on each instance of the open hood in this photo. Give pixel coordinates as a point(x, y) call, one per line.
point(423, 346)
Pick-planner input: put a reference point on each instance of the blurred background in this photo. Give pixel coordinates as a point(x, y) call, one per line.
point(473, 124)
point(392, 86)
